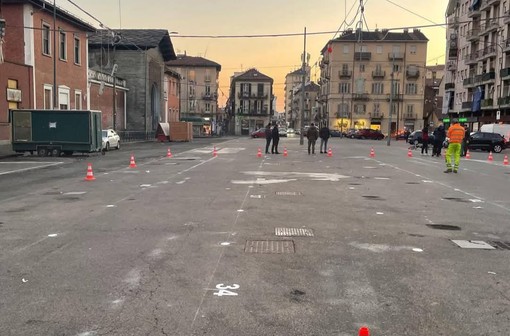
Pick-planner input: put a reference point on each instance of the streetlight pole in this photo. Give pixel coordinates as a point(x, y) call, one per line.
point(388, 141)
point(303, 81)
point(55, 93)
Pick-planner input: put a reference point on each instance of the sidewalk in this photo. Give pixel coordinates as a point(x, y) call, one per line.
point(6, 151)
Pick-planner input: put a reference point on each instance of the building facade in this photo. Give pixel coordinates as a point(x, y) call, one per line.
point(292, 80)
point(477, 78)
point(45, 61)
point(362, 72)
point(311, 109)
point(138, 56)
point(172, 96)
point(199, 92)
point(433, 98)
point(251, 99)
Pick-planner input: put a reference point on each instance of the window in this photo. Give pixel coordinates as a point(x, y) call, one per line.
point(345, 49)
point(208, 91)
point(207, 108)
point(260, 89)
point(412, 49)
point(77, 51)
point(345, 68)
point(63, 45)
point(63, 98)
point(378, 49)
point(396, 88)
point(77, 100)
point(362, 48)
point(207, 75)
point(377, 88)
point(411, 88)
point(410, 109)
point(362, 68)
point(360, 108)
point(343, 110)
point(344, 88)
point(393, 108)
point(396, 67)
point(377, 110)
point(46, 41)
point(48, 97)
point(191, 75)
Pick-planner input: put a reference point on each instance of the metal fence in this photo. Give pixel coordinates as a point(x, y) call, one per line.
point(130, 136)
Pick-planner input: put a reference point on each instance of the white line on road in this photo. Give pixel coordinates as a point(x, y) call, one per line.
point(30, 168)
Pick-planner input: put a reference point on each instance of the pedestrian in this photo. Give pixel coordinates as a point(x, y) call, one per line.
point(439, 137)
point(269, 136)
point(465, 142)
point(324, 134)
point(456, 136)
point(312, 134)
point(425, 140)
point(276, 139)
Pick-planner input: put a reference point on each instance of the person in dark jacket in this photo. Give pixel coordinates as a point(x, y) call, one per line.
point(439, 138)
point(269, 137)
point(276, 139)
point(465, 142)
point(425, 140)
point(312, 134)
point(324, 134)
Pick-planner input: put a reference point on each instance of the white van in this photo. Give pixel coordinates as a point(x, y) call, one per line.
point(503, 129)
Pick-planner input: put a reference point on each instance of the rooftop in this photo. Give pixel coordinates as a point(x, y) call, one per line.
point(253, 75)
point(193, 61)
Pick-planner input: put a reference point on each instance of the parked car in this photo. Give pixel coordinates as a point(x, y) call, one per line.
point(349, 133)
point(368, 133)
point(290, 131)
point(260, 133)
point(110, 139)
point(415, 138)
point(282, 131)
point(335, 133)
point(487, 141)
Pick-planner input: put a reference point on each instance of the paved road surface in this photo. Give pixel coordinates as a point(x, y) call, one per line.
point(174, 246)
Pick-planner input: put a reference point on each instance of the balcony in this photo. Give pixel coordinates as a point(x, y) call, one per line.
point(410, 116)
point(471, 58)
point(506, 45)
point(360, 96)
point(474, 13)
point(449, 86)
point(395, 97)
point(506, 17)
point(490, 25)
point(488, 77)
point(412, 73)
point(488, 52)
point(254, 112)
point(378, 74)
point(207, 79)
point(362, 56)
point(397, 56)
point(343, 115)
point(473, 34)
point(505, 73)
point(208, 96)
point(376, 115)
point(468, 82)
point(504, 101)
point(487, 103)
point(344, 74)
point(487, 3)
point(466, 106)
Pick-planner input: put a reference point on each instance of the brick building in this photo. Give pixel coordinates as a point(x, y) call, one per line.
point(29, 59)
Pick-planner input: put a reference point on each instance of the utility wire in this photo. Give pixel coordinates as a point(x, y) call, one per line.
point(410, 11)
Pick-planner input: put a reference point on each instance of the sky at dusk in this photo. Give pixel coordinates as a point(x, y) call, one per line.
point(274, 56)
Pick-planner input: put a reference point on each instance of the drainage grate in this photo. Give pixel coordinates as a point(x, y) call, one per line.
point(375, 198)
point(269, 246)
point(293, 232)
point(500, 244)
point(352, 184)
point(412, 183)
point(457, 199)
point(444, 227)
point(289, 193)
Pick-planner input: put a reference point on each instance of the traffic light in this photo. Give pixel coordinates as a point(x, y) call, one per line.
point(2, 28)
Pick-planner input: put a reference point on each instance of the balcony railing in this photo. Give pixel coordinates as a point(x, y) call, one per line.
point(207, 96)
point(378, 74)
point(506, 17)
point(504, 101)
point(489, 76)
point(395, 56)
point(466, 105)
point(471, 58)
point(362, 56)
point(487, 103)
point(360, 96)
point(409, 116)
point(505, 73)
point(489, 51)
point(449, 86)
point(395, 97)
point(376, 115)
point(506, 44)
point(344, 74)
point(475, 13)
point(489, 25)
point(412, 73)
point(487, 3)
point(472, 34)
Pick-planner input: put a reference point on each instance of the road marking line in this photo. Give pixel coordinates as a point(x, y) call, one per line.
point(30, 168)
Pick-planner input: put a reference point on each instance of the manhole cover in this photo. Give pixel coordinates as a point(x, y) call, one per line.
point(473, 244)
point(375, 198)
point(444, 227)
point(412, 183)
point(288, 193)
point(501, 244)
point(269, 246)
point(457, 199)
point(293, 232)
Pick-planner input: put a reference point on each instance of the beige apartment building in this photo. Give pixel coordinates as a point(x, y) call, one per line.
point(198, 92)
point(311, 112)
point(358, 70)
point(477, 78)
point(251, 101)
point(292, 80)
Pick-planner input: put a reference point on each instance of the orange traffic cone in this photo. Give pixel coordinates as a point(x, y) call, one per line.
point(490, 158)
point(468, 154)
point(132, 163)
point(285, 153)
point(330, 152)
point(214, 152)
point(259, 153)
point(364, 331)
point(372, 152)
point(505, 160)
point(168, 153)
point(409, 153)
point(90, 173)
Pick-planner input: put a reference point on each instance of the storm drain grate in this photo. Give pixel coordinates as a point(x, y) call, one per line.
point(375, 198)
point(500, 244)
point(293, 232)
point(457, 199)
point(412, 183)
point(352, 184)
point(444, 227)
point(269, 246)
point(289, 193)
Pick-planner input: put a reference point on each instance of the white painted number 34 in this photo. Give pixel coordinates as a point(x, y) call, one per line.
point(226, 290)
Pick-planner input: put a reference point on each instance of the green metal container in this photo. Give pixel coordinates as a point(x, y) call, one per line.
point(52, 132)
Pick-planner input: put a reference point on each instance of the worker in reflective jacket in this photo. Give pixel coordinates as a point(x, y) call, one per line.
point(455, 136)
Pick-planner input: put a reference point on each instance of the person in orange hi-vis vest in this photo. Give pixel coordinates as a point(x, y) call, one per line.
point(455, 136)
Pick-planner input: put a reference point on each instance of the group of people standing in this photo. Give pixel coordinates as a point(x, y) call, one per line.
point(312, 134)
point(272, 135)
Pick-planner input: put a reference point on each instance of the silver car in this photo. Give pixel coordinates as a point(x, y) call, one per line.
point(110, 139)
